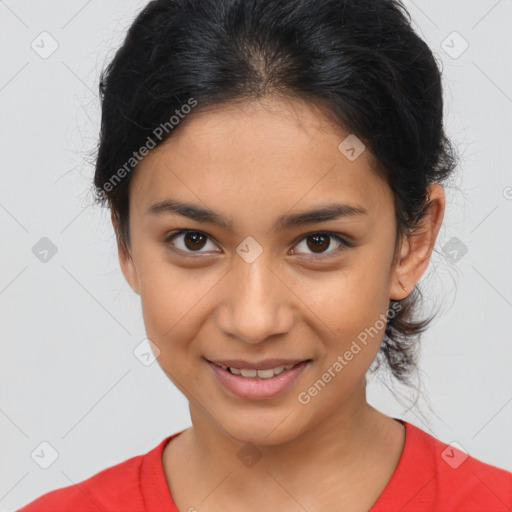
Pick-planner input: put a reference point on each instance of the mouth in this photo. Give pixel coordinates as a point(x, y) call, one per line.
point(262, 370)
point(242, 380)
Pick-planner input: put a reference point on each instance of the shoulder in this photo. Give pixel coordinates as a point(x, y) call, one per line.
point(458, 481)
point(114, 488)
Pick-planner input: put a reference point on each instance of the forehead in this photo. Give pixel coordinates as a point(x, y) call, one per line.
point(268, 154)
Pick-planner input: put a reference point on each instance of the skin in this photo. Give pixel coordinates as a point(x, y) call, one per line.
point(252, 163)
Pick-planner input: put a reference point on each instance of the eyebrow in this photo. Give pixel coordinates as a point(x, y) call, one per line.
point(331, 211)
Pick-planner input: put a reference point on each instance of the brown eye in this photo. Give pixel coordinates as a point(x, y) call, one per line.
point(194, 240)
point(188, 241)
point(319, 243)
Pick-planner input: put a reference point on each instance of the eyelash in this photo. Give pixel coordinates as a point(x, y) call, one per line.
point(344, 244)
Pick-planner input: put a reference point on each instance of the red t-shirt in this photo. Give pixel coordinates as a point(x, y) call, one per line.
point(430, 476)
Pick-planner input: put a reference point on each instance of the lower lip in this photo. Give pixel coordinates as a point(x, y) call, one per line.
point(254, 388)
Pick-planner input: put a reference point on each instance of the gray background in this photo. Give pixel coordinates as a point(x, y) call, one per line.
point(69, 325)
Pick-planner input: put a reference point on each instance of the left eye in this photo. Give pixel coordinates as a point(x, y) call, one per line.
point(320, 242)
point(192, 241)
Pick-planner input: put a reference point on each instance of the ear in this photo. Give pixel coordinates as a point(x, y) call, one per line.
point(415, 251)
point(125, 258)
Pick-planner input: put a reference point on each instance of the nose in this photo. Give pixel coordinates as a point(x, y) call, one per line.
point(256, 303)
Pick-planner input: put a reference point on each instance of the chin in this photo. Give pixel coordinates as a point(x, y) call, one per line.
point(263, 433)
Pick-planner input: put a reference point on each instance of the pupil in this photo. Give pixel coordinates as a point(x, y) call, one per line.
point(319, 240)
point(194, 237)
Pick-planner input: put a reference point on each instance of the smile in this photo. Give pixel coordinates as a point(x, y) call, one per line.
point(262, 374)
point(258, 384)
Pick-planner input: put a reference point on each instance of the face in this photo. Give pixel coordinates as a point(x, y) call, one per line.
point(267, 282)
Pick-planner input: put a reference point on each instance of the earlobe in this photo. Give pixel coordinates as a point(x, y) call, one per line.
point(417, 248)
point(399, 290)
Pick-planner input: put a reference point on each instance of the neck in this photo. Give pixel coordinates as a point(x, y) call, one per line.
point(341, 441)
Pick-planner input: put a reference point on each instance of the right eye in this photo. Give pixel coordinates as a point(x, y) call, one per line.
point(188, 241)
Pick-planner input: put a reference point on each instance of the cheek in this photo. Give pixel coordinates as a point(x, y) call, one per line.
point(347, 301)
point(350, 309)
point(173, 301)
point(351, 312)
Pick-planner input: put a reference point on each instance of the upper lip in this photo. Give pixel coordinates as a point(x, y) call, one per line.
point(256, 365)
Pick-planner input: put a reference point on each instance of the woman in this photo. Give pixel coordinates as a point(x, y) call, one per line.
point(274, 171)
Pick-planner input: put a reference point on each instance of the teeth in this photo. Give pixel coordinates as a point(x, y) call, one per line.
point(265, 374)
point(262, 374)
point(248, 373)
